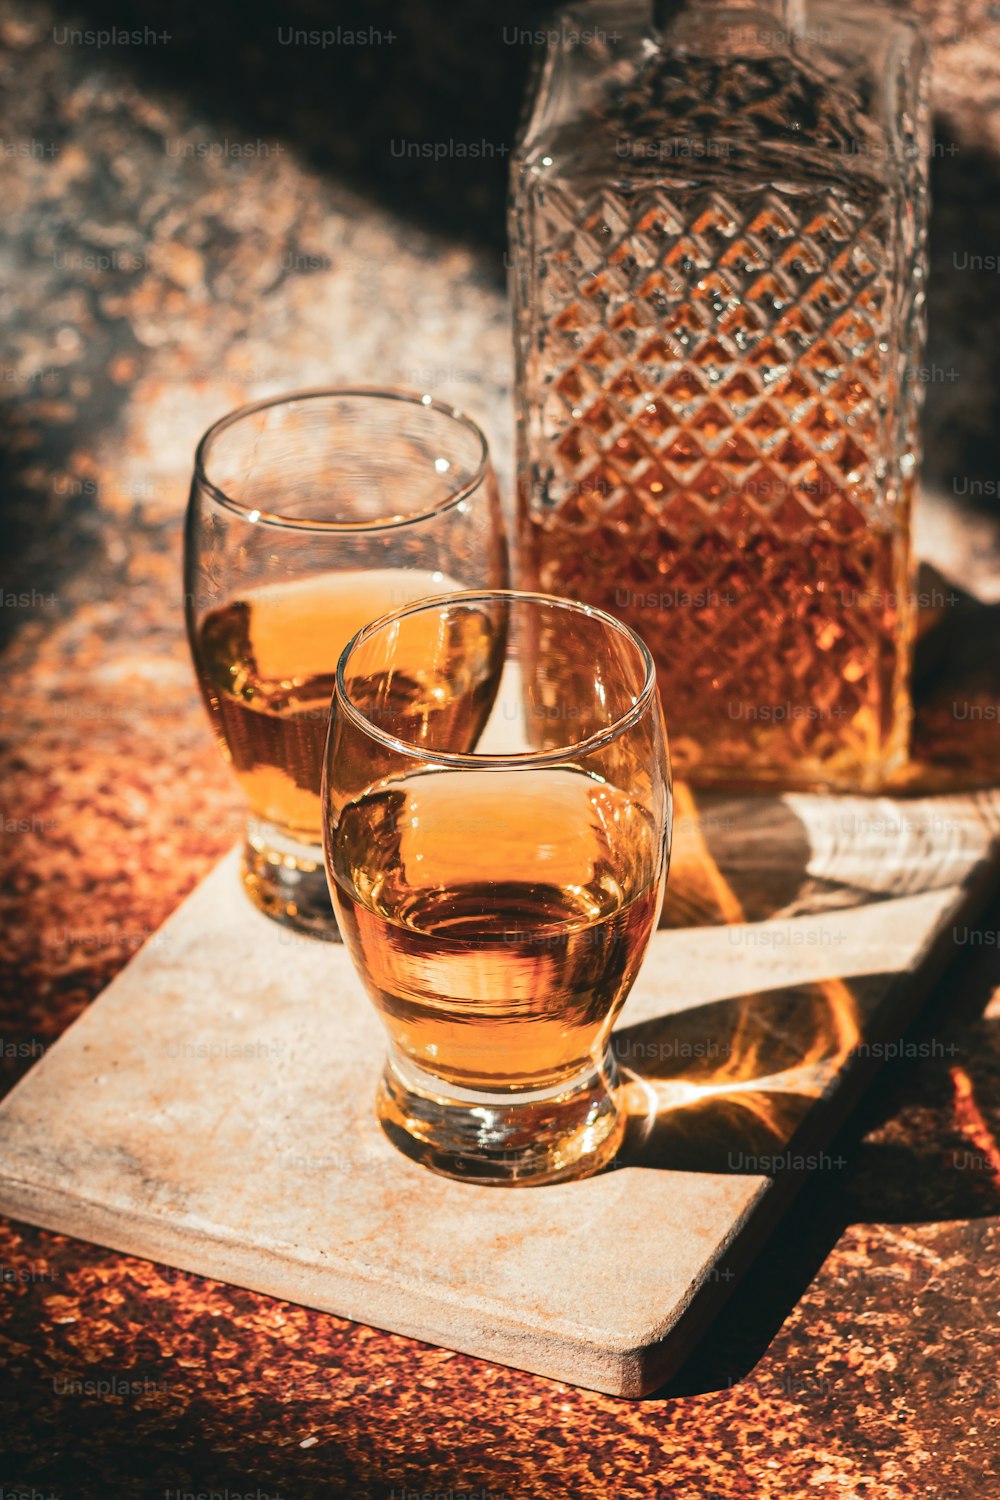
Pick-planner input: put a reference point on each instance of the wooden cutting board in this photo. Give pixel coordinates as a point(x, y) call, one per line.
point(213, 1108)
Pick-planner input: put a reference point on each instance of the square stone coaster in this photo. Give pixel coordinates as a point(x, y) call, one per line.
point(212, 1109)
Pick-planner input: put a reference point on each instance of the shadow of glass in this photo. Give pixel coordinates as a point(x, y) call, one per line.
point(921, 1147)
point(749, 858)
point(713, 1085)
point(726, 1087)
point(733, 858)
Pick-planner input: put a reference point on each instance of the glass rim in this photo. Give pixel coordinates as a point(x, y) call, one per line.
point(314, 393)
point(511, 759)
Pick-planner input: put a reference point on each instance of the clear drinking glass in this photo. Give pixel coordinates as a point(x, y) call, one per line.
point(311, 514)
point(496, 819)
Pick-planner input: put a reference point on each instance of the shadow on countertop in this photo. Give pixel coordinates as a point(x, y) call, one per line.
point(392, 80)
point(427, 73)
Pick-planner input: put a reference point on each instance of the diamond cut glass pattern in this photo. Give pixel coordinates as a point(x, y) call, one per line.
point(715, 439)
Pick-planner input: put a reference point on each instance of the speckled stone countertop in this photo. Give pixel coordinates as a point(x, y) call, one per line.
point(167, 260)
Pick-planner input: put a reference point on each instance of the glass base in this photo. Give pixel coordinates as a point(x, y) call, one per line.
point(504, 1140)
point(287, 881)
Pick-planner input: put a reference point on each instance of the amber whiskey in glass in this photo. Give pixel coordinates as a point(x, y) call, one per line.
point(718, 229)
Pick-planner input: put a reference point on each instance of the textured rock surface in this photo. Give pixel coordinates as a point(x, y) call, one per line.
point(214, 1109)
point(859, 1357)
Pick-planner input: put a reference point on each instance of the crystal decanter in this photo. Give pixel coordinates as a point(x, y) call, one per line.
point(718, 233)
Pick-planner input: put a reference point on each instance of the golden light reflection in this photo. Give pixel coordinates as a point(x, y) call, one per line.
point(776, 1051)
point(972, 1123)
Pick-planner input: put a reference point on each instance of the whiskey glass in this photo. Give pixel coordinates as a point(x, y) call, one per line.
point(496, 820)
point(311, 514)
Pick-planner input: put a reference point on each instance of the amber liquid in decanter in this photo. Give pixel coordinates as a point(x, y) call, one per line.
point(718, 294)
